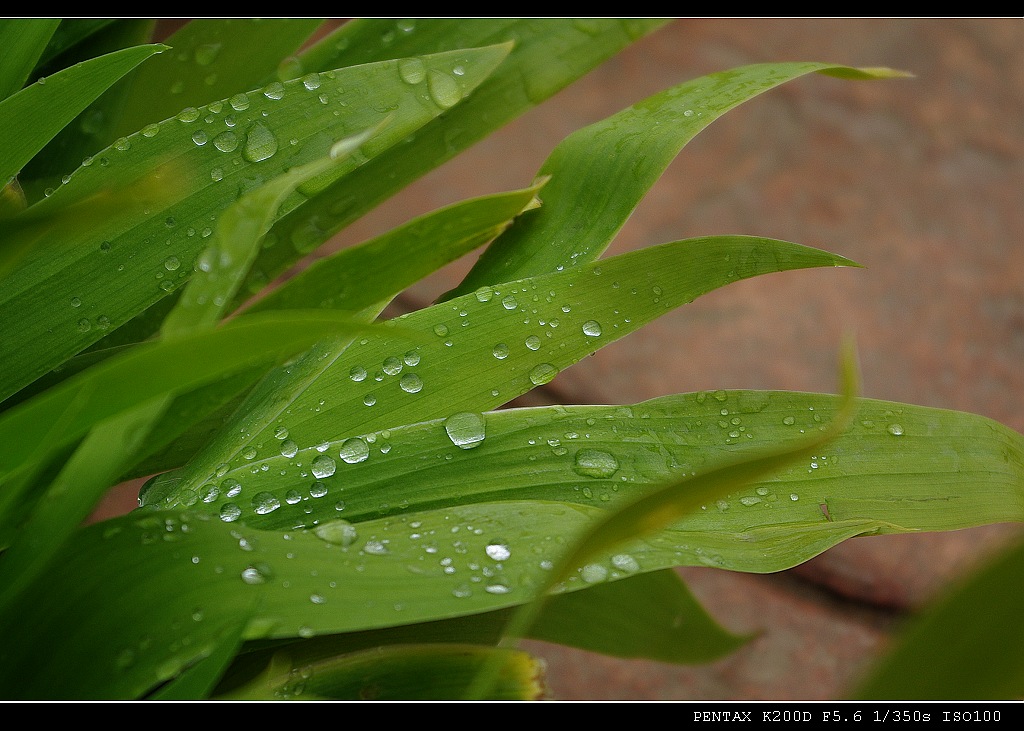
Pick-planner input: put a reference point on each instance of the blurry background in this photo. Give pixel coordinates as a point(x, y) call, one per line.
point(920, 180)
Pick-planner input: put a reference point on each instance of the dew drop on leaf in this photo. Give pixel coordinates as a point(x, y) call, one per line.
point(543, 373)
point(322, 466)
point(465, 429)
point(595, 463)
point(337, 532)
point(354, 450)
point(260, 143)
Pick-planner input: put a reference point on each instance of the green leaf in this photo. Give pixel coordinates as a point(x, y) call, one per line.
point(965, 646)
point(486, 348)
point(70, 32)
point(897, 468)
point(164, 186)
point(23, 41)
point(651, 616)
point(528, 77)
point(143, 373)
point(199, 680)
point(601, 172)
point(54, 101)
point(398, 673)
point(372, 272)
point(212, 59)
point(69, 499)
point(240, 228)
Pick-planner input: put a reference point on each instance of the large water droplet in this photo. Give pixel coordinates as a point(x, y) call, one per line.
point(411, 70)
point(543, 373)
point(265, 502)
point(533, 342)
point(339, 532)
point(354, 450)
point(593, 573)
point(443, 89)
point(392, 366)
point(260, 143)
point(323, 466)
point(411, 383)
point(592, 328)
point(289, 448)
point(498, 550)
point(595, 463)
point(500, 351)
point(274, 90)
point(896, 429)
point(256, 574)
point(625, 562)
point(239, 102)
point(226, 141)
point(465, 429)
point(229, 512)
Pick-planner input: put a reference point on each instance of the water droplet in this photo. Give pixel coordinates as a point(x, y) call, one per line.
point(319, 489)
point(392, 366)
point(625, 562)
point(260, 143)
point(592, 328)
point(256, 574)
point(443, 89)
point(789, 421)
point(209, 492)
point(465, 429)
point(412, 358)
point(500, 351)
point(895, 429)
point(533, 342)
point(231, 488)
point(293, 497)
point(188, 114)
point(75, 302)
point(311, 81)
point(322, 466)
point(150, 130)
point(354, 450)
point(226, 141)
point(274, 90)
point(206, 54)
point(484, 294)
point(440, 330)
point(411, 383)
point(376, 547)
point(543, 373)
point(498, 550)
point(593, 573)
point(199, 137)
point(411, 70)
point(793, 496)
point(509, 302)
point(595, 463)
point(338, 532)
point(497, 586)
point(289, 448)
point(281, 432)
point(749, 500)
point(217, 174)
point(369, 399)
point(265, 502)
point(229, 512)
point(84, 325)
point(239, 102)
point(357, 374)
point(249, 453)
point(171, 263)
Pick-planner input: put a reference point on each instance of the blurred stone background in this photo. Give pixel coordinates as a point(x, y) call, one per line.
point(920, 180)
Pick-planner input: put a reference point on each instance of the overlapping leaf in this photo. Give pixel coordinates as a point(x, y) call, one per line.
point(169, 183)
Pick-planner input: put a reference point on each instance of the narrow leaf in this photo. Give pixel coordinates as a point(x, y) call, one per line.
point(108, 270)
point(56, 100)
point(486, 348)
point(432, 672)
point(601, 172)
point(965, 646)
point(23, 41)
point(526, 79)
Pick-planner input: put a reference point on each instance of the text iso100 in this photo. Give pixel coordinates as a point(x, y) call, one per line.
point(971, 716)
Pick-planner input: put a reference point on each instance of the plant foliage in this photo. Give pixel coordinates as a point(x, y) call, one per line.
point(339, 507)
